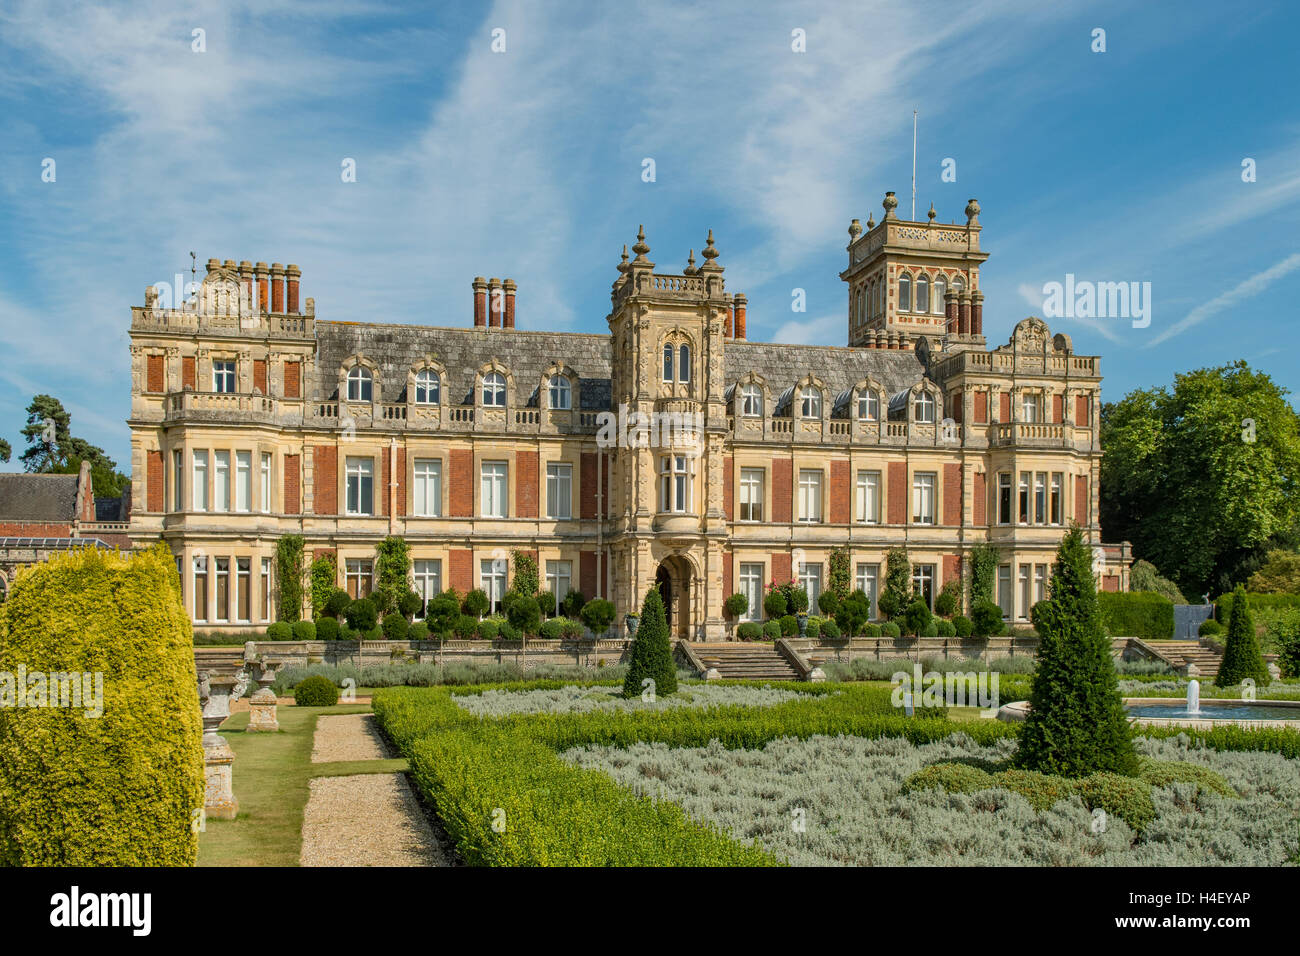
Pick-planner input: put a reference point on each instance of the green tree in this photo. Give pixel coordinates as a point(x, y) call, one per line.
point(853, 613)
point(1241, 656)
point(1144, 576)
point(5, 450)
point(839, 577)
point(1280, 574)
point(288, 571)
point(53, 449)
point(1076, 724)
point(652, 653)
point(324, 574)
point(525, 580)
point(898, 583)
point(392, 572)
point(983, 560)
point(1203, 477)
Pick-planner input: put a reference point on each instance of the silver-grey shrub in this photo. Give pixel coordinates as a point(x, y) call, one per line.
point(584, 700)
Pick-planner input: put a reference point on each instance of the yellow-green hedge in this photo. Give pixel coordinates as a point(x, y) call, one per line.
point(120, 789)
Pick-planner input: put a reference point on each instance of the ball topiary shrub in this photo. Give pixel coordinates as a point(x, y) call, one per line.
point(749, 631)
point(488, 630)
point(1210, 628)
point(945, 629)
point(931, 628)
point(917, 617)
point(652, 655)
point(890, 629)
point(571, 606)
point(552, 629)
point(598, 615)
point(774, 604)
point(418, 631)
point(362, 615)
point(476, 603)
point(304, 631)
point(280, 631)
point(409, 603)
point(466, 627)
point(828, 602)
point(986, 619)
point(736, 605)
point(525, 615)
point(337, 602)
point(830, 631)
point(316, 691)
point(962, 626)
point(327, 629)
point(395, 626)
point(772, 631)
point(546, 604)
point(118, 780)
point(789, 625)
point(873, 630)
point(813, 628)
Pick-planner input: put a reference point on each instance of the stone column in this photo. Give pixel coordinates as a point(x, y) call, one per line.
point(219, 801)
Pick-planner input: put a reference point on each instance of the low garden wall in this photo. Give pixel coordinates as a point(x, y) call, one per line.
point(580, 653)
point(817, 650)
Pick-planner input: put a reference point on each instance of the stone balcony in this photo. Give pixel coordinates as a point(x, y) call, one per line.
point(190, 405)
point(192, 322)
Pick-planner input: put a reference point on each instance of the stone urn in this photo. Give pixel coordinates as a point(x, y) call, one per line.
point(802, 618)
point(633, 622)
point(215, 693)
point(261, 706)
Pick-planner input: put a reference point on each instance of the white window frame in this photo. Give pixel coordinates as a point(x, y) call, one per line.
point(1006, 597)
point(868, 406)
point(923, 582)
point(751, 585)
point(266, 589)
point(361, 384)
point(559, 581)
point(676, 484)
point(199, 482)
point(810, 578)
point(361, 571)
point(426, 576)
point(938, 295)
point(559, 490)
point(492, 581)
point(810, 495)
point(221, 481)
point(683, 364)
point(560, 393)
point(1024, 582)
point(359, 483)
point(922, 294)
point(866, 499)
point(221, 609)
point(243, 481)
point(493, 391)
point(751, 401)
point(428, 387)
point(924, 408)
point(751, 494)
point(199, 570)
point(867, 580)
point(810, 402)
point(266, 482)
point(1006, 504)
point(223, 376)
point(178, 480)
point(426, 487)
point(924, 492)
point(494, 489)
point(904, 293)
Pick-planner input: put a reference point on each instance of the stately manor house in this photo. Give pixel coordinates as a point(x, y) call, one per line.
point(252, 418)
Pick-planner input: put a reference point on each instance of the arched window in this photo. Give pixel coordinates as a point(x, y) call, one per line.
point(684, 363)
point(868, 406)
point(923, 294)
point(810, 402)
point(560, 393)
point(360, 384)
point(940, 291)
point(904, 294)
point(924, 410)
point(668, 363)
point(751, 401)
point(427, 387)
point(494, 389)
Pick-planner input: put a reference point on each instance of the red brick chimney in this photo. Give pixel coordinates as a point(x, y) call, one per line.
point(263, 297)
point(977, 312)
point(277, 287)
point(294, 274)
point(730, 322)
point(740, 302)
point(494, 303)
point(480, 296)
point(510, 288)
point(246, 279)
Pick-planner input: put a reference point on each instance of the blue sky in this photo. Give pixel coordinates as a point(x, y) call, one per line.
point(1115, 166)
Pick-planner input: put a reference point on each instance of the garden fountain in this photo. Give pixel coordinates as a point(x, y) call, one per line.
point(1193, 697)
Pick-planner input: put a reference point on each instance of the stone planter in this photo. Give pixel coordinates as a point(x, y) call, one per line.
point(219, 797)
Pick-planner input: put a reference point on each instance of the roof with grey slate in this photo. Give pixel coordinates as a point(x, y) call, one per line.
point(25, 497)
point(528, 354)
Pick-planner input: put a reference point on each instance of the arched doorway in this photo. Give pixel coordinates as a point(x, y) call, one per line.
point(673, 579)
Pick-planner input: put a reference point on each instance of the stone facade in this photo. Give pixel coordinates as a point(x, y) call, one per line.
point(475, 442)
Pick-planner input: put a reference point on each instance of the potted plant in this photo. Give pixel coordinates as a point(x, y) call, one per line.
point(633, 621)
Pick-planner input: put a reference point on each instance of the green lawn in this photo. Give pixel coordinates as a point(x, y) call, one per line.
point(272, 774)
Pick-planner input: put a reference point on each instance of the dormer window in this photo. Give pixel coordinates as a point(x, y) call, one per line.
point(868, 406)
point(923, 294)
point(427, 387)
point(923, 409)
point(494, 390)
point(751, 401)
point(904, 294)
point(810, 402)
point(560, 393)
point(360, 384)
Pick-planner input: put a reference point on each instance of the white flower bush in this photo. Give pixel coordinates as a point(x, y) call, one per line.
point(838, 801)
point(582, 700)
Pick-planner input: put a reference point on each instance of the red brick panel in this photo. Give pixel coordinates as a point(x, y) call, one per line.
point(781, 567)
point(155, 378)
point(951, 568)
point(951, 493)
point(293, 380)
point(1081, 499)
point(34, 529)
point(958, 406)
point(188, 375)
point(1058, 408)
point(259, 375)
point(1004, 406)
point(1081, 405)
point(982, 407)
point(460, 486)
point(604, 483)
point(460, 570)
point(587, 490)
point(385, 482)
point(587, 574)
point(981, 499)
point(325, 489)
point(727, 587)
point(896, 493)
point(728, 491)
point(782, 492)
point(401, 481)
point(1110, 583)
point(526, 484)
point(292, 485)
point(154, 480)
point(841, 497)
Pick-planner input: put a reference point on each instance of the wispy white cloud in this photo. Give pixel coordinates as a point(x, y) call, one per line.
point(1034, 298)
point(1244, 290)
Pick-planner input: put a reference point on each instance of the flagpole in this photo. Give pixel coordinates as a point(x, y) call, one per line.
point(913, 165)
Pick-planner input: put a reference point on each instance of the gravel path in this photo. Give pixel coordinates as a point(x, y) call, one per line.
point(347, 737)
point(371, 819)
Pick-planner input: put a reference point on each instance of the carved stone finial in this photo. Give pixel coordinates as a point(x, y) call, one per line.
point(890, 203)
point(932, 213)
point(871, 222)
point(623, 266)
point(690, 269)
point(640, 248)
point(855, 229)
point(710, 254)
point(973, 210)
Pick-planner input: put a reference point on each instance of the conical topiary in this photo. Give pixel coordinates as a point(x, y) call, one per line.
point(652, 652)
point(1076, 724)
point(1241, 656)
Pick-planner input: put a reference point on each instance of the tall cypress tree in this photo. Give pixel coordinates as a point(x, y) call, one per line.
point(1241, 656)
point(652, 652)
point(1076, 724)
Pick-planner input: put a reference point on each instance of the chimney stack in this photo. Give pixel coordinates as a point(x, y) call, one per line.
point(963, 313)
point(977, 312)
point(277, 287)
point(494, 303)
point(480, 305)
point(246, 277)
point(294, 274)
point(731, 317)
point(510, 288)
point(263, 297)
point(740, 302)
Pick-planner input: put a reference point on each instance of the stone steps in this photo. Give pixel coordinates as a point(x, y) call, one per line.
point(1192, 652)
point(745, 661)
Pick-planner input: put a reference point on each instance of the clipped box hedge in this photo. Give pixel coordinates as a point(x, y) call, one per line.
point(123, 788)
point(1141, 614)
